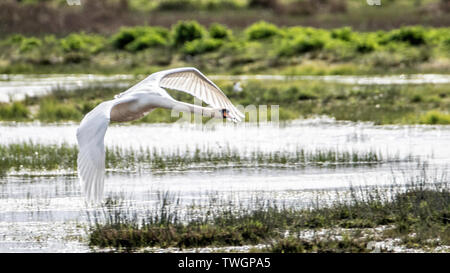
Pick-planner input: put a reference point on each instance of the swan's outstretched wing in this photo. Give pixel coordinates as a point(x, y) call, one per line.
point(193, 82)
point(91, 155)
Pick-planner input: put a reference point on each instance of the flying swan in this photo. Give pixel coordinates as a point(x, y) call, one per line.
point(135, 103)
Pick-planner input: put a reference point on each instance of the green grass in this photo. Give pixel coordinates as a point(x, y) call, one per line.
point(380, 104)
point(435, 117)
point(15, 111)
point(38, 157)
point(51, 111)
point(31, 156)
point(389, 104)
point(260, 48)
point(230, 158)
point(421, 209)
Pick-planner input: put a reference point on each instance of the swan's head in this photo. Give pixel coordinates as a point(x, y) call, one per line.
point(226, 115)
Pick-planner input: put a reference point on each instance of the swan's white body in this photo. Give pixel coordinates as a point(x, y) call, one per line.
point(134, 104)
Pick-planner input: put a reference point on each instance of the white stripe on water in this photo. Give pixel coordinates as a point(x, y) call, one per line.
point(16, 87)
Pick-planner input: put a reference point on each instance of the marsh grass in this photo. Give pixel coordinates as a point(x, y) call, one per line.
point(15, 111)
point(232, 158)
point(51, 111)
point(388, 104)
point(33, 156)
point(348, 244)
point(380, 104)
point(39, 157)
point(436, 117)
point(418, 214)
point(166, 227)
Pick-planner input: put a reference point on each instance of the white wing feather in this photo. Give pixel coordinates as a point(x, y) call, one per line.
point(91, 155)
point(190, 80)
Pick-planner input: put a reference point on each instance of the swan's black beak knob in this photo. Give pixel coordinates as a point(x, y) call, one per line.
point(225, 113)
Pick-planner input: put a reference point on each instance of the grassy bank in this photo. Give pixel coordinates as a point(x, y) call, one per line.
point(260, 48)
point(381, 104)
point(37, 157)
point(417, 218)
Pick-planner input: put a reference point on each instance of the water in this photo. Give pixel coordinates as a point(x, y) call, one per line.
point(47, 213)
point(311, 134)
point(16, 87)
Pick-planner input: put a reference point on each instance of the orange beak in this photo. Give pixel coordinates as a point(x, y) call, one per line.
point(224, 113)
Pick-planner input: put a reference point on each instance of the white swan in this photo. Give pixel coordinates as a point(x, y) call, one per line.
point(134, 104)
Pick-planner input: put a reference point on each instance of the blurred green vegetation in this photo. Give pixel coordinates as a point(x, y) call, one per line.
point(16, 111)
point(381, 104)
point(435, 117)
point(260, 48)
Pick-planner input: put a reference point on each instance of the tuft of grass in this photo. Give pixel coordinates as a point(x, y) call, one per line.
point(413, 35)
point(300, 45)
point(200, 46)
point(261, 30)
point(218, 31)
point(139, 38)
point(298, 245)
point(81, 42)
point(52, 111)
point(435, 117)
point(32, 156)
point(186, 31)
point(16, 111)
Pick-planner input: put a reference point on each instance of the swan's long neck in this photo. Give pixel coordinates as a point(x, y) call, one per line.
point(196, 109)
point(145, 102)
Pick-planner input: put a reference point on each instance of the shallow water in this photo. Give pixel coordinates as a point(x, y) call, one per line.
point(46, 213)
point(430, 142)
point(16, 87)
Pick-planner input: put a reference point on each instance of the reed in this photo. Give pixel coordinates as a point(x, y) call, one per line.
point(422, 209)
point(380, 104)
point(39, 157)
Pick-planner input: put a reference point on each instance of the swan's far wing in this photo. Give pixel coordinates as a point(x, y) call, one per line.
point(91, 155)
point(193, 82)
